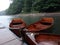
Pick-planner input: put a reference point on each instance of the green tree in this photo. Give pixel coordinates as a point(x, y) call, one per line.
point(27, 6)
point(15, 7)
point(47, 5)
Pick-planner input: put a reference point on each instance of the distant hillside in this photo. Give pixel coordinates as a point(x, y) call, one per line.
point(2, 13)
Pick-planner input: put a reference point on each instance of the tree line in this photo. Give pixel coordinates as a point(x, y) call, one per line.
point(27, 6)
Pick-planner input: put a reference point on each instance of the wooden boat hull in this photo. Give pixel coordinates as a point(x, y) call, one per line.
point(42, 38)
point(47, 37)
point(41, 25)
point(17, 24)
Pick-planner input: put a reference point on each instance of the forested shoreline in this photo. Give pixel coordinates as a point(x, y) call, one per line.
point(28, 6)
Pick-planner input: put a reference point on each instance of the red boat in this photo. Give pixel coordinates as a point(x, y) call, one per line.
point(41, 39)
point(51, 39)
point(42, 24)
point(17, 23)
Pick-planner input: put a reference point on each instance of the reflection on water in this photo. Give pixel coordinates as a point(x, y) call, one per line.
point(5, 20)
